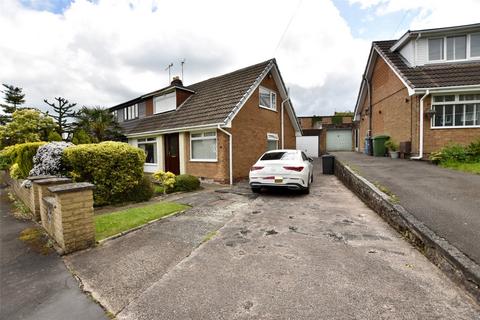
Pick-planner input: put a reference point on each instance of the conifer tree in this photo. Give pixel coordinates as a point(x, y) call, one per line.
point(14, 98)
point(63, 110)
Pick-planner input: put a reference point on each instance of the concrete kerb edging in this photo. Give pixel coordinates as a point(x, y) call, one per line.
point(455, 264)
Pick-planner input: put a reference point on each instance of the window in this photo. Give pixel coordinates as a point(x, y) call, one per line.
point(281, 155)
point(115, 114)
point(475, 45)
point(453, 48)
point(461, 110)
point(149, 145)
point(131, 112)
point(268, 99)
point(203, 146)
point(457, 48)
point(272, 141)
point(165, 103)
point(435, 49)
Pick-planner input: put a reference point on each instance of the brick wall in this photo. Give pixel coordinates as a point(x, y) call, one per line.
point(250, 128)
point(392, 107)
point(217, 171)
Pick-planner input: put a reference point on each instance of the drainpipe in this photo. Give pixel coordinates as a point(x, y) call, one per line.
point(230, 152)
point(420, 151)
point(283, 125)
point(370, 111)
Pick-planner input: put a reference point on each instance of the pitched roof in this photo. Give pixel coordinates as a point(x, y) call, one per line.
point(432, 75)
point(212, 103)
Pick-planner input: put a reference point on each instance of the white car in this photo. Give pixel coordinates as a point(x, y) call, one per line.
point(286, 168)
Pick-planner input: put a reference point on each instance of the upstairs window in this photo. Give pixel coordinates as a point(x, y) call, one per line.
point(435, 49)
point(457, 48)
point(461, 110)
point(167, 102)
point(130, 113)
point(268, 99)
point(475, 45)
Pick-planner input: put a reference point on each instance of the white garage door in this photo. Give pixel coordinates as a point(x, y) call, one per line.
point(309, 145)
point(339, 140)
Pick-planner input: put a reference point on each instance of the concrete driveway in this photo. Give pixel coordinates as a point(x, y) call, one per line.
point(445, 200)
point(276, 256)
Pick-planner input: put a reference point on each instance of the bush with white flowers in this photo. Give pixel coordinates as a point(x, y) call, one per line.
point(48, 160)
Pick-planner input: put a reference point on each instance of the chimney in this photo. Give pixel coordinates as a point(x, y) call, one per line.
point(177, 82)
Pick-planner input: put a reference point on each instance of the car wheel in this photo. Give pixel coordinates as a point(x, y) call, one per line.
point(256, 190)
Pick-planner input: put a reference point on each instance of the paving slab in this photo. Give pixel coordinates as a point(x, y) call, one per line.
point(34, 282)
point(319, 256)
point(445, 200)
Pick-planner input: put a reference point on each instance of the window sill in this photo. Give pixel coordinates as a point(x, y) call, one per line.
point(456, 127)
point(274, 110)
point(204, 160)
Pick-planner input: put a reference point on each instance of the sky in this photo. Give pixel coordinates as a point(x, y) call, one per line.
point(104, 52)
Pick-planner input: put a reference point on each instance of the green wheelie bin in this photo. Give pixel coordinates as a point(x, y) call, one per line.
point(379, 149)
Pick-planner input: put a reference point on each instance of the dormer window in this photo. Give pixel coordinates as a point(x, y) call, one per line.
point(130, 113)
point(164, 103)
point(454, 48)
point(457, 48)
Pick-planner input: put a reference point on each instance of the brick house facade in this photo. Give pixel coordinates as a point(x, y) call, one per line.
point(207, 121)
point(401, 81)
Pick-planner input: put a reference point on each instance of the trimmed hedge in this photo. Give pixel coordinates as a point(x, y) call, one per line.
point(21, 154)
point(143, 191)
point(115, 168)
point(186, 182)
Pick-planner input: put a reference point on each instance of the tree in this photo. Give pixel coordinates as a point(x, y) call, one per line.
point(64, 110)
point(99, 123)
point(14, 97)
point(27, 125)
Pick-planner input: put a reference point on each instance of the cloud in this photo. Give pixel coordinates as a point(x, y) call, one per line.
point(107, 51)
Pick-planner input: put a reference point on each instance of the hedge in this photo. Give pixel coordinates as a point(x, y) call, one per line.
point(22, 155)
point(186, 182)
point(115, 168)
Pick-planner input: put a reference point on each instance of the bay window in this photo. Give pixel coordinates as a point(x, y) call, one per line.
point(149, 145)
point(268, 99)
point(456, 110)
point(203, 146)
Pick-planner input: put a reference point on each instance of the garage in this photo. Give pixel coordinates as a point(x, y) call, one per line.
point(339, 140)
point(309, 145)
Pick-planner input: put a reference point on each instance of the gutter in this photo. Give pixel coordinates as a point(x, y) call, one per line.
point(230, 152)
point(420, 151)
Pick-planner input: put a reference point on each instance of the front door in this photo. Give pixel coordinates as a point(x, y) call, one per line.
point(172, 159)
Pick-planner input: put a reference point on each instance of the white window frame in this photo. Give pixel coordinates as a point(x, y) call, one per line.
point(130, 112)
point(272, 137)
point(468, 56)
point(272, 93)
point(469, 46)
point(203, 137)
point(151, 140)
point(456, 101)
point(167, 96)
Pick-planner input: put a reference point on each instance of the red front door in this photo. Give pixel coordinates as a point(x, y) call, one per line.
point(172, 159)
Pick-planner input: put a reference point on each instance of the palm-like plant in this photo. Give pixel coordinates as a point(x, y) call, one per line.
point(99, 123)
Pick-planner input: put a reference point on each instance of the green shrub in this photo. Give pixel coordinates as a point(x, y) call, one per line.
point(22, 155)
point(457, 153)
point(143, 191)
point(54, 136)
point(15, 171)
point(165, 179)
point(81, 137)
point(114, 167)
point(473, 151)
point(5, 161)
point(186, 182)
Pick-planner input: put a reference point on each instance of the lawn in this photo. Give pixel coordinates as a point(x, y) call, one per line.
point(470, 167)
point(109, 224)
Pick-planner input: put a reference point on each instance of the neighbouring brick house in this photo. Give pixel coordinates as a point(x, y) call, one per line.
point(424, 89)
point(214, 129)
point(334, 133)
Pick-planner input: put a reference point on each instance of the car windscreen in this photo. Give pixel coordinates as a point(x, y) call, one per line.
point(281, 155)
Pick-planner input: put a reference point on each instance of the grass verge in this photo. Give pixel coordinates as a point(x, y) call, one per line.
point(109, 224)
point(470, 167)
